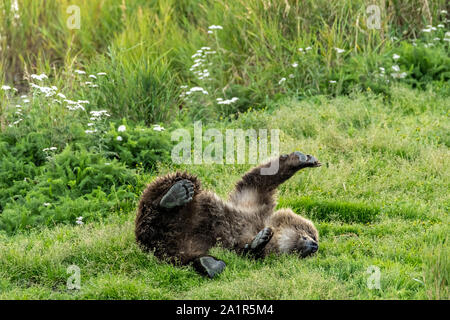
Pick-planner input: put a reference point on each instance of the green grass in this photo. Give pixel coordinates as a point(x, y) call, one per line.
point(380, 199)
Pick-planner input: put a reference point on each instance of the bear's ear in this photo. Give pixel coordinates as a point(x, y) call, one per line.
point(314, 234)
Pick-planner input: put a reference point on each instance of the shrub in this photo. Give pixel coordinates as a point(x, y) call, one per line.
point(71, 184)
point(138, 146)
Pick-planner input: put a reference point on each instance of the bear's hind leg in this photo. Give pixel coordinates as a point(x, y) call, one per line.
point(257, 186)
point(179, 194)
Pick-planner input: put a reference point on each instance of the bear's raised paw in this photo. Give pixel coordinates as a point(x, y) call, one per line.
point(179, 194)
point(305, 160)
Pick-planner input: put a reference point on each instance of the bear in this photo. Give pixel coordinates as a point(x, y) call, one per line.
point(180, 222)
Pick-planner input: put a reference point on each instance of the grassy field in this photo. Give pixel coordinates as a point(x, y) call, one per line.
point(388, 160)
point(86, 117)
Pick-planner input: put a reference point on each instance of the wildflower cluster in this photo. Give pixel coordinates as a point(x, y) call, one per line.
point(295, 64)
point(79, 221)
point(434, 34)
point(201, 63)
point(200, 71)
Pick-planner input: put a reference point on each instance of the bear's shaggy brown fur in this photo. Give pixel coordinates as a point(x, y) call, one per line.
point(182, 234)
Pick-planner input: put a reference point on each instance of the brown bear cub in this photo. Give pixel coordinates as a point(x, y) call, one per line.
point(180, 222)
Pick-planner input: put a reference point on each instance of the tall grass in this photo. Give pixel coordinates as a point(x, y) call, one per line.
point(146, 48)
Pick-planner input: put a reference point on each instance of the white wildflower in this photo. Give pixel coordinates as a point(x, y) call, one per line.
point(6, 88)
point(119, 138)
point(339, 50)
point(396, 68)
point(79, 221)
point(99, 114)
point(395, 56)
point(40, 77)
point(121, 128)
point(282, 80)
point(230, 101)
point(157, 127)
point(197, 89)
point(295, 65)
point(213, 27)
point(101, 73)
point(80, 71)
point(398, 75)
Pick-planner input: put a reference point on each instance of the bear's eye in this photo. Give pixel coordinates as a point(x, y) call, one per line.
point(304, 238)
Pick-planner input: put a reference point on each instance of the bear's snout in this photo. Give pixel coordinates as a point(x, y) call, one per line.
point(313, 246)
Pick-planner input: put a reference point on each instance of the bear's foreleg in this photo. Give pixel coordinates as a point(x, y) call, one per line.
point(256, 247)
